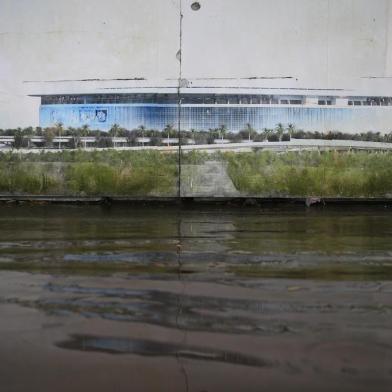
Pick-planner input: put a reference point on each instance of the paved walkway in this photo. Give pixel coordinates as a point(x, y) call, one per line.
point(209, 179)
point(293, 145)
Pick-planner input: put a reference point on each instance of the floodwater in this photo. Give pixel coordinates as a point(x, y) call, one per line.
point(195, 299)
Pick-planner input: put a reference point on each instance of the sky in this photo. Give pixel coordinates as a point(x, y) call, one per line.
point(320, 43)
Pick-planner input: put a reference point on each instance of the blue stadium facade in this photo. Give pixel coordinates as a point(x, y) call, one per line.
point(206, 110)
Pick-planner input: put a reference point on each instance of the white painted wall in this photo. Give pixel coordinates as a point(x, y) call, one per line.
point(321, 43)
point(74, 39)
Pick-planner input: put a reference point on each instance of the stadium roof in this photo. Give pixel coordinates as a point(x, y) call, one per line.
point(267, 86)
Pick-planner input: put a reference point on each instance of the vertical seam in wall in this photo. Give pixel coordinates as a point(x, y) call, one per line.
point(386, 46)
point(179, 105)
point(328, 24)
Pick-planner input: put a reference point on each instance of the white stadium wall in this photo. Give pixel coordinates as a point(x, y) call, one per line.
point(310, 44)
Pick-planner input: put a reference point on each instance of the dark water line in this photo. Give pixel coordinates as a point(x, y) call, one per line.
point(196, 202)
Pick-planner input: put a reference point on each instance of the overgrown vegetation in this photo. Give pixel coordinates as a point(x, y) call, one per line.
point(328, 174)
point(148, 173)
point(109, 172)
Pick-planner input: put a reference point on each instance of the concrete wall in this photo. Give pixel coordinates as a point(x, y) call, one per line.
point(319, 43)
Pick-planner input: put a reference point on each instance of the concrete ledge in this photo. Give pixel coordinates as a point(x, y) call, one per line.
point(243, 146)
point(173, 200)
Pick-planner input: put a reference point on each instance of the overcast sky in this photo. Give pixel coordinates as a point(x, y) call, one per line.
point(321, 43)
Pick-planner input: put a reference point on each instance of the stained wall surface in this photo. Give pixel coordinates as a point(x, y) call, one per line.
point(318, 43)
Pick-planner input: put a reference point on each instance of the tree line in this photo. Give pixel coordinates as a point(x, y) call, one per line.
point(248, 133)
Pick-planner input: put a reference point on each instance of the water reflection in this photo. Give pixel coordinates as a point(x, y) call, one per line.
point(115, 345)
point(295, 236)
point(198, 313)
point(183, 290)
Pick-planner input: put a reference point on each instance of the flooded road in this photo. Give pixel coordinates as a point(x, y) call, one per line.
point(207, 299)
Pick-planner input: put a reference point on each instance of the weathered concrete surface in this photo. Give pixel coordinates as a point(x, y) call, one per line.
point(208, 179)
point(320, 43)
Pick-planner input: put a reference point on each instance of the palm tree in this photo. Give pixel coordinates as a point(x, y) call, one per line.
point(291, 130)
point(49, 134)
point(388, 137)
point(84, 130)
point(113, 132)
point(266, 133)
point(29, 132)
point(59, 131)
point(280, 131)
point(193, 133)
point(222, 131)
point(141, 132)
point(141, 129)
point(169, 130)
point(251, 131)
point(18, 138)
point(75, 140)
point(212, 132)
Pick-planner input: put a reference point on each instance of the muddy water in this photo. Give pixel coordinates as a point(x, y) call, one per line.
point(148, 299)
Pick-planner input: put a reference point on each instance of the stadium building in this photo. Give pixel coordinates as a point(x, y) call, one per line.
point(206, 108)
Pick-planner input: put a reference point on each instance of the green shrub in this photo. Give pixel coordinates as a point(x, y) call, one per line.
point(78, 172)
point(19, 177)
point(328, 174)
